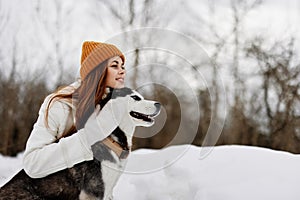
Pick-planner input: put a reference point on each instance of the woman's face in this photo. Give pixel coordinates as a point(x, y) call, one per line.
point(115, 73)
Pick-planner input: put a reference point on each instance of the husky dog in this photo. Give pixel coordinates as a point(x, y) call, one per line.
point(93, 179)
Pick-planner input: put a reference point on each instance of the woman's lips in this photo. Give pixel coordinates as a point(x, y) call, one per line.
point(120, 79)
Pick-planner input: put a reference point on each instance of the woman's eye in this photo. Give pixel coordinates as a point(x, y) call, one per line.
point(114, 66)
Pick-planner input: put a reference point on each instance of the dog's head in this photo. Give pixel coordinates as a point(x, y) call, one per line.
point(129, 109)
point(130, 102)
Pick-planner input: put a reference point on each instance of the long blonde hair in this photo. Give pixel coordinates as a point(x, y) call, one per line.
point(86, 96)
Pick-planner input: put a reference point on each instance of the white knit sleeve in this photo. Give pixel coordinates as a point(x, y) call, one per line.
point(42, 155)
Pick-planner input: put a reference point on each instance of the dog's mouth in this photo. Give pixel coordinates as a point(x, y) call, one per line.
point(141, 116)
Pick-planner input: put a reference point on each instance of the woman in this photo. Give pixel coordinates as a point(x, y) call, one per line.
point(68, 123)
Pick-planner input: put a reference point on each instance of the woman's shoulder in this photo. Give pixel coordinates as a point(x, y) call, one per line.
point(53, 103)
point(69, 89)
point(57, 99)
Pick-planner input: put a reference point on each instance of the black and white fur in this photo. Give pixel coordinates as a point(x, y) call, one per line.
point(90, 179)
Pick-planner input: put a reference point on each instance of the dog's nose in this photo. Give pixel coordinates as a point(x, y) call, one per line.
point(157, 106)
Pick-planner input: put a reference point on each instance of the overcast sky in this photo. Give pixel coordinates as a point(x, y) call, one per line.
point(274, 19)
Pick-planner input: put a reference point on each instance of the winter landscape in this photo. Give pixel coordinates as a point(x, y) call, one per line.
point(226, 173)
point(225, 71)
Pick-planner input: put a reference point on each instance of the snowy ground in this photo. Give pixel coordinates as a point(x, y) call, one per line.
point(184, 173)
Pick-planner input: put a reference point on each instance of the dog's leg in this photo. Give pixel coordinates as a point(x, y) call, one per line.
point(111, 173)
point(92, 184)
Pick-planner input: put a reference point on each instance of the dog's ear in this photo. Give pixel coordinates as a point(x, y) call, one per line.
point(113, 93)
point(121, 92)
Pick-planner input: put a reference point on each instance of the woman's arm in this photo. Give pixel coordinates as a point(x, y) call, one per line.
point(42, 155)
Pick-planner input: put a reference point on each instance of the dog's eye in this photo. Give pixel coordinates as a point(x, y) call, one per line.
point(135, 97)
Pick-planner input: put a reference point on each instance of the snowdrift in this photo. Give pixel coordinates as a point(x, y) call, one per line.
point(188, 172)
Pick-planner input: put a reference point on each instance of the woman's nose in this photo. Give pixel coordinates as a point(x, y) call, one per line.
point(122, 71)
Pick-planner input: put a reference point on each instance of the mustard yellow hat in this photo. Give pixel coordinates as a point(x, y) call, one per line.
point(94, 53)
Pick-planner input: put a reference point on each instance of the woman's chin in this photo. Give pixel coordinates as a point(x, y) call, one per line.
point(117, 85)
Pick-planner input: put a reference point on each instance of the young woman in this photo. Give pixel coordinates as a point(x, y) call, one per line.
point(68, 123)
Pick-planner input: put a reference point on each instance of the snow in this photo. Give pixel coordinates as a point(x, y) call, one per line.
point(9, 166)
point(185, 172)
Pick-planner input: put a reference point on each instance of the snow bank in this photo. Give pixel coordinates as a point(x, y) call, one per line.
point(9, 166)
point(180, 173)
point(227, 173)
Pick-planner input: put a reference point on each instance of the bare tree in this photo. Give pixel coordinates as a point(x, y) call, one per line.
point(280, 75)
point(230, 45)
point(134, 13)
point(19, 105)
point(9, 92)
point(20, 97)
point(55, 29)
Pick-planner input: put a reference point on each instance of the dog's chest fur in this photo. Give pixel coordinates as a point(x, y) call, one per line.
point(110, 166)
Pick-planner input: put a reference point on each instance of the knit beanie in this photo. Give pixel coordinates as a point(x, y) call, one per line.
point(94, 53)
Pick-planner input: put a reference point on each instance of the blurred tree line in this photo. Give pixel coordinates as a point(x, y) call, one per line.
point(19, 106)
point(264, 113)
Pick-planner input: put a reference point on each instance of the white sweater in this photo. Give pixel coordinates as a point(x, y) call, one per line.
point(42, 156)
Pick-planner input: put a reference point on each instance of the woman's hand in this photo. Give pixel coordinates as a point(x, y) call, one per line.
point(102, 123)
